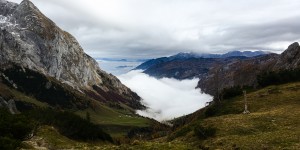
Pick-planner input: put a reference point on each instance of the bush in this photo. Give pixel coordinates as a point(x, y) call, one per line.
point(13, 129)
point(70, 125)
point(281, 77)
point(7, 143)
point(204, 132)
point(232, 92)
point(211, 110)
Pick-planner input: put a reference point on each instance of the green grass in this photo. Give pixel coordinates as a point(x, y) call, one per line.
point(48, 137)
point(21, 97)
point(114, 122)
point(18, 96)
point(272, 124)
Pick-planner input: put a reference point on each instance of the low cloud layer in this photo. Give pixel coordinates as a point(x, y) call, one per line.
point(166, 98)
point(154, 28)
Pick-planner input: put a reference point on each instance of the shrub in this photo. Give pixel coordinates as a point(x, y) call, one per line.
point(13, 129)
point(232, 92)
point(70, 125)
point(204, 132)
point(211, 110)
point(280, 77)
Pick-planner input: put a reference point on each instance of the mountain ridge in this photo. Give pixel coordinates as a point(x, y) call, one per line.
point(245, 72)
point(189, 55)
point(217, 73)
point(31, 40)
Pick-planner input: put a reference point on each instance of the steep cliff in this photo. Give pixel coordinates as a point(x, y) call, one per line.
point(31, 40)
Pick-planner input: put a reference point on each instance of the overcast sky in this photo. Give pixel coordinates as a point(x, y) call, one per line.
point(153, 28)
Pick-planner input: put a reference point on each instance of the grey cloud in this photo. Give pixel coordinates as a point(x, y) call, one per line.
point(153, 28)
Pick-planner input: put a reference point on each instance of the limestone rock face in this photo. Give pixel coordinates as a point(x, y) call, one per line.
point(30, 39)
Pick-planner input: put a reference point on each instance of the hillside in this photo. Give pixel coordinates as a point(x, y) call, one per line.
point(32, 93)
point(44, 67)
point(272, 124)
point(55, 96)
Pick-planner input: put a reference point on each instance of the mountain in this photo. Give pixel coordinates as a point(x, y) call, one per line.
point(184, 56)
point(216, 72)
point(29, 39)
point(226, 55)
point(245, 72)
point(44, 68)
point(191, 65)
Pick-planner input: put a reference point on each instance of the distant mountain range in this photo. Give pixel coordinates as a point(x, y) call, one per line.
point(226, 55)
point(184, 56)
point(218, 71)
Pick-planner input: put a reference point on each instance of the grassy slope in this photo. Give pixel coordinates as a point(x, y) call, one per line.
point(48, 137)
point(115, 122)
point(273, 123)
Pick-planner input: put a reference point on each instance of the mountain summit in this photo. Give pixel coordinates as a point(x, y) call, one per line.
point(31, 40)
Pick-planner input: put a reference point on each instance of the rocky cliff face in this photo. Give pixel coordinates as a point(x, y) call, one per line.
point(29, 39)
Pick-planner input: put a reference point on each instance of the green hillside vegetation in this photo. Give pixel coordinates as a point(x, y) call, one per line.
point(35, 91)
point(272, 124)
point(13, 129)
point(280, 77)
point(121, 120)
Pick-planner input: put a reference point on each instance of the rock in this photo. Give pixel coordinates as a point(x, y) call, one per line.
point(12, 107)
point(31, 40)
point(290, 58)
point(3, 103)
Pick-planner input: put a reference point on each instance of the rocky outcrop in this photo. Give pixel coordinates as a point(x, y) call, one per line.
point(9, 105)
point(290, 58)
point(31, 40)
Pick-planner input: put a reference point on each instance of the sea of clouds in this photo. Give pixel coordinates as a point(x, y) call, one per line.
point(165, 98)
